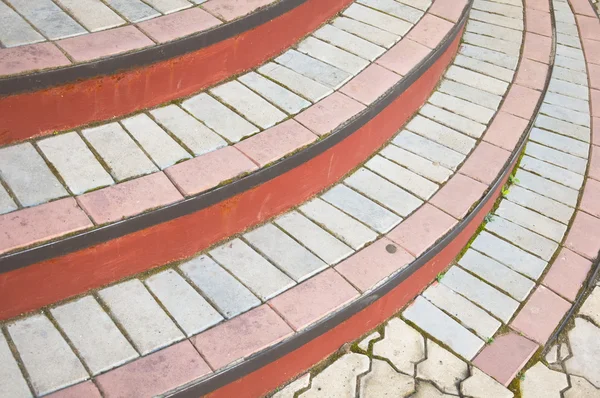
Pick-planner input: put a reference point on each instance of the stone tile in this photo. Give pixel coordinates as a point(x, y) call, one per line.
point(254, 271)
point(523, 238)
point(553, 173)
point(555, 157)
point(486, 68)
point(541, 381)
point(591, 196)
point(531, 220)
point(594, 74)
point(232, 9)
point(378, 19)
point(538, 22)
point(172, 290)
point(567, 115)
point(313, 299)
point(302, 85)
point(371, 33)
point(180, 24)
point(441, 134)
point(340, 378)
point(488, 55)
point(228, 295)
point(474, 95)
point(584, 362)
point(448, 9)
point(458, 195)
point(568, 89)
point(44, 222)
point(594, 165)
point(477, 80)
point(445, 329)
point(461, 107)
point(344, 227)
point(537, 47)
point(92, 14)
point(560, 142)
point(133, 10)
point(505, 357)
point(50, 362)
point(425, 167)
point(547, 188)
point(316, 239)
point(161, 148)
point(278, 95)
point(312, 68)
point(540, 315)
point(156, 373)
point(14, 30)
point(485, 163)
point(31, 57)
point(499, 45)
point(480, 384)
point(580, 388)
point(442, 368)
point(402, 345)
point(564, 39)
point(591, 306)
point(397, 9)
point(370, 84)
point(496, 31)
point(383, 380)
point(374, 264)
point(86, 389)
point(364, 343)
point(521, 101)
point(198, 138)
point(588, 27)
point(453, 120)
point(404, 56)
point(428, 390)
point(497, 274)
point(581, 238)
point(28, 176)
point(348, 42)
point(94, 335)
point(292, 388)
point(430, 31)
point(129, 198)
point(569, 75)
point(428, 149)
point(505, 130)
point(532, 74)
point(571, 64)
point(569, 52)
point(462, 309)
point(48, 18)
point(591, 48)
point(361, 208)
point(402, 177)
point(12, 382)
point(218, 117)
point(6, 202)
point(209, 170)
point(168, 6)
point(326, 115)
point(148, 326)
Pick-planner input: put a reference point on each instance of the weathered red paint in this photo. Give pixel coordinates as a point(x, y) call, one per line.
point(40, 284)
point(42, 112)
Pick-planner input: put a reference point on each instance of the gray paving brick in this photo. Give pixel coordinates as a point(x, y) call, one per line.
point(349, 42)
point(286, 253)
point(315, 238)
point(195, 315)
point(251, 105)
point(497, 8)
point(510, 255)
point(445, 329)
point(119, 151)
point(480, 293)
point(570, 63)
point(566, 40)
point(467, 109)
point(93, 14)
point(312, 68)
point(568, 89)
point(218, 117)
point(163, 150)
point(422, 5)
point(425, 167)
point(383, 191)
point(347, 229)
point(451, 119)
point(471, 94)
point(75, 163)
point(278, 95)
point(497, 274)
point(361, 208)
point(254, 271)
point(465, 311)
point(496, 19)
point(332, 55)
point(492, 43)
point(531, 220)
point(48, 18)
point(168, 6)
point(377, 19)
point(477, 80)
point(14, 30)
point(6, 202)
point(562, 159)
point(547, 188)
point(402, 177)
point(567, 115)
point(570, 52)
point(560, 142)
point(368, 32)
point(133, 10)
point(496, 31)
point(296, 82)
point(48, 359)
point(553, 173)
point(564, 128)
point(486, 68)
point(523, 238)
point(568, 102)
point(146, 323)
point(12, 382)
point(428, 149)
point(28, 176)
point(395, 8)
point(194, 135)
point(223, 290)
point(541, 204)
point(490, 56)
point(94, 335)
point(566, 28)
point(441, 134)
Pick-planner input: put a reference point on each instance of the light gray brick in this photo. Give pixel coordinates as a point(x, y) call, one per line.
point(254, 271)
point(163, 150)
point(93, 14)
point(218, 117)
point(441, 134)
point(168, 6)
point(422, 5)
point(567, 115)
point(94, 335)
point(75, 163)
point(349, 42)
point(347, 229)
point(28, 176)
point(278, 95)
point(547, 188)
point(251, 105)
point(496, 31)
point(541, 204)
point(313, 68)
point(148, 326)
point(223, 290)
point(471, 94)
point(332, 55)
point(568, 89)
point(12, 382)
point(566, 28)
point(566, 40)
point(492, 43)
point(383, 191)
point(564, 128)
point(451, 119)
point(48, 18)
point(497, 274)
point(133, 10)
point(428, 149)
point(562, 159)
point(523, 238)
point(496, 19)
point(568, 102)
point(486, 68)
point(477, 80)
point(560, 142)
point(368, 32)
point(395, 8)
point(194, 135)
point(465, 311)
point(14, 30)
point(190, 310)
point(490, 56)
point(425, 167)
point(361, 208)
point(377, 19)
point(6, 202)
point(531, 220)
point(48, 359)
point(445, 329)
point(570, 64)
point(553, 173)
point(402, 177)
point(570, 52)
point(497, 8)
point(285, 252)
point(315, 238)
point(480, 293)
point(296, 82)
point(510, 255)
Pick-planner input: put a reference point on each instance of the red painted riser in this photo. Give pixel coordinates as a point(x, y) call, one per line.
point(35, 286)
point(26, 115)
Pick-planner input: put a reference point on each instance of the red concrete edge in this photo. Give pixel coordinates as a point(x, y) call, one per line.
point(42, 112)
point(40, 284)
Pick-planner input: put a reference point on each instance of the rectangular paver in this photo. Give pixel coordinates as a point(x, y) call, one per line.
point(48, 18)
point(332, 55)
point(541, 204)
point(464, 108)
point(490, 56)
point(572, 130)
point(7, 204)
point(14, 30)
point(428, 149)
point(133, 10)
point(477, 80)
point(368, 32)
point(531, 220)
point(378, 19)
point(402, 177)
point(550, 189)
point(553, 173)
point(395, 8)
point(278, 95)
point(12, 382)
point(441, 134)
point(471, 94)
point(575, 104)
point(453, 120)
point(349, 42)
point(500, 20)
point(425, 167)
point(556, 157)
point(560, 142)
point(523, 237)
point(93, 14)
point(486, 68)
point(499, 45)
point(497, 31)
point(567, 115)
point(168, 6)
point(313, 68)
point(308, 88)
